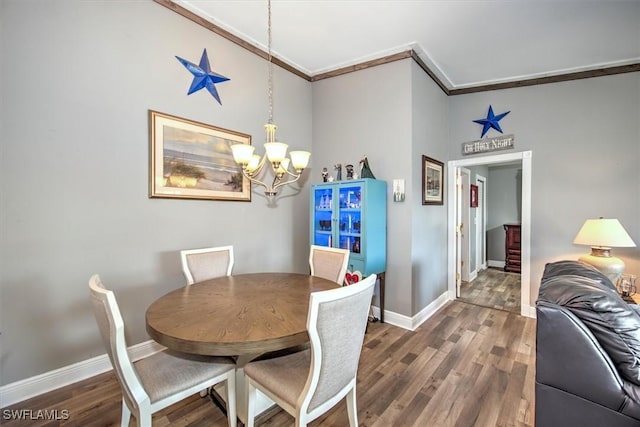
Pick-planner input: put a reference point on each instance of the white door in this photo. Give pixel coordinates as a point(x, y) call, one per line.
point(465, 229)
point(481, 224)
point(458, 228)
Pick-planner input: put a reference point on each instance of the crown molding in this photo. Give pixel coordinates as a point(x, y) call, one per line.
point(231, 37)
point(600, 72)
point(363, 65)
point(410, 53)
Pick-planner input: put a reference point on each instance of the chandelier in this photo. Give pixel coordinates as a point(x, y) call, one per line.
point(275, 152)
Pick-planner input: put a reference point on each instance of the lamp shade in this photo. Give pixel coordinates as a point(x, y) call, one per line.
point(242, 153)
point(276, 151)
point(604, 233)
point(299, 159)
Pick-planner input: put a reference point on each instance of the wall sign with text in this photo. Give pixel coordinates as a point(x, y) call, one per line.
point(488, 144)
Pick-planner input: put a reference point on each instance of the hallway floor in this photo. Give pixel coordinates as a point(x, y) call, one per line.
point(493, 288)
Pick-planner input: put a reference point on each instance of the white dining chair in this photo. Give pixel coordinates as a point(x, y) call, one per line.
point(162, 379)
point(308, 383)
point(329, 263)
point(206, 263)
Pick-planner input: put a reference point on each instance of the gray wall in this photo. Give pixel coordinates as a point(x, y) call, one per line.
point(77, 81)
point(585, 137)
point(393, 113)
point(504, 201)
point(356, 115)
point(430, 124)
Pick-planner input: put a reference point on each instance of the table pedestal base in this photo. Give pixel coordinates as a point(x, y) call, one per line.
point(265, 407)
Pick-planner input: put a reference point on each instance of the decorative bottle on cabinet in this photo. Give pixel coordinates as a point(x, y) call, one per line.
point(352, 215)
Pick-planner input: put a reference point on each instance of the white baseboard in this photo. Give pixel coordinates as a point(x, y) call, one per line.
point(43, 383)
point(494, 263)
point(412, 323)
point(429, 310)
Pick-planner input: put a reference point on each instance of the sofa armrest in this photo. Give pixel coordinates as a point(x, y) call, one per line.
point(569, 358)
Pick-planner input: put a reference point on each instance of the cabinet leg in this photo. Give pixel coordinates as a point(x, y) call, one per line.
point(382, 280)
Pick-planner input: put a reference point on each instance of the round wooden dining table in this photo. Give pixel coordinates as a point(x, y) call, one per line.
point(244, 316)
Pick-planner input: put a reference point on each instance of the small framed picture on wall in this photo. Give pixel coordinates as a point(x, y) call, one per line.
point(432, 181)
point(473, 192)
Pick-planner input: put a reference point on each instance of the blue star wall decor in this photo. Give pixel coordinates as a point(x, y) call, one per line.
point(203, 76)
point(491, 121)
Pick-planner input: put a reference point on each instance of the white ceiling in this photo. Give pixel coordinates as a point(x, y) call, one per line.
point(465, 43)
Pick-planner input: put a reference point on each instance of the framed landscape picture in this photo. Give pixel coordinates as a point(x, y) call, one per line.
point(432, 181)
point(192, 160)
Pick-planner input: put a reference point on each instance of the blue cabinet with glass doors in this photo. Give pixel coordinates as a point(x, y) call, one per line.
point(352, 215)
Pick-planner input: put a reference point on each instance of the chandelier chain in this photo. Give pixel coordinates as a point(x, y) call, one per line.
point(275, 152)
point(270, 82)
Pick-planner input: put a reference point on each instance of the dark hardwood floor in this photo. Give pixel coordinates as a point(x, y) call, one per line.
point(493, 288)
point(466, 366)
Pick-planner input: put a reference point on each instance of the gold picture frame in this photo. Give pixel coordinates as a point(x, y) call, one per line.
point(432, 181)
point(193, 160)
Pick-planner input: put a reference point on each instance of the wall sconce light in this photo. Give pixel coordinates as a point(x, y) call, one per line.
point(398, 190)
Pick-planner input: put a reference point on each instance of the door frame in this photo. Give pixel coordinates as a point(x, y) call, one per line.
point(525, 275)
point(481, 224)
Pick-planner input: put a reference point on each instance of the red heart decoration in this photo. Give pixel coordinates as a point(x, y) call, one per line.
point(351, 278)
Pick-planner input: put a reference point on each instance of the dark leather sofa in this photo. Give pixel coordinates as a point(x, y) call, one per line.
point(587, 350)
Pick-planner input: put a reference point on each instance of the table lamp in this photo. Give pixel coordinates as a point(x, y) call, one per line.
point(603, 234)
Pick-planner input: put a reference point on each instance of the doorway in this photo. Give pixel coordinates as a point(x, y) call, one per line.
point(454, 172)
